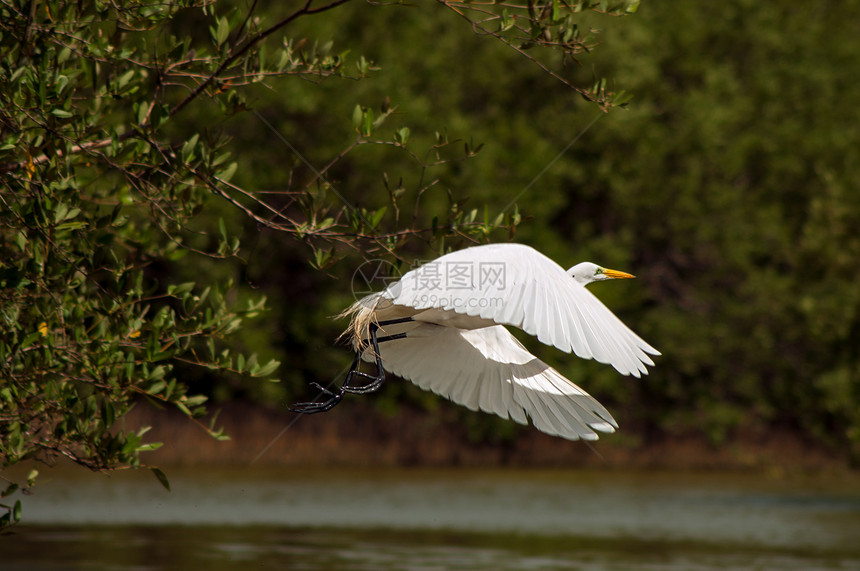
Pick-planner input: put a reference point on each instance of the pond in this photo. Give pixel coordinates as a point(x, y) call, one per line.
point(436, 519)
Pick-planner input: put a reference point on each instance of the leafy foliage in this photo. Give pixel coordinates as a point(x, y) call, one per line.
point(91, 201)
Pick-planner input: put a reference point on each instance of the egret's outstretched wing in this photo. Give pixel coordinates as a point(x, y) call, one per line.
point(514, 284)
point(488, 369)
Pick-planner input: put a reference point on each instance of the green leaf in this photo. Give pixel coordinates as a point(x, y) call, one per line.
point(161, 477)
point(367, 127)
point(181, 289)
point(222, 32)
point(156, 387)
point(321, 258)
point(149, 447)
point(401, 136)
point(268, 368)
point(507, 22)
point(157, 373)
point(226, 174)
point(125, 78)
point(71, 226)
point(142, 109)
point(377, 217)
point(30, 339)
point(357, 116)
point(196, 400)
point(188, 148)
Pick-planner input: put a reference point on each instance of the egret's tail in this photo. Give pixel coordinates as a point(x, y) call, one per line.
point(361, 314)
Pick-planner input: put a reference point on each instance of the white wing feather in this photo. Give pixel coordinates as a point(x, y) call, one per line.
point(514, 284)
point(488, 369)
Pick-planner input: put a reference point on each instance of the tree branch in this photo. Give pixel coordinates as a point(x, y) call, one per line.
point(305, 10)
point(236, 53)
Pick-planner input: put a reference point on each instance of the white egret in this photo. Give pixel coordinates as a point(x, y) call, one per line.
point(441, 326)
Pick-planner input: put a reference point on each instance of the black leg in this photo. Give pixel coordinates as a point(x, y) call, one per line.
point(376, 380)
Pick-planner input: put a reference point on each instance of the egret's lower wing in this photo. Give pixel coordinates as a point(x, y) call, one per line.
point(488, 369)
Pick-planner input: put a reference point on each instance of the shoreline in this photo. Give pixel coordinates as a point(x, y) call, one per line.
point(359, 436)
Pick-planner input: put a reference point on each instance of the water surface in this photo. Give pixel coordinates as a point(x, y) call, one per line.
point(436, 519)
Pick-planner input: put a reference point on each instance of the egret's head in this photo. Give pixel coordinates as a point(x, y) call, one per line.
point(586, 272)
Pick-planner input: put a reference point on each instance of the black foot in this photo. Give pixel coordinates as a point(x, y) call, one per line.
point(376, 381)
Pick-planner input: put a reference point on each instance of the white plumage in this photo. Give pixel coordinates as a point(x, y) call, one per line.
point(457, 345)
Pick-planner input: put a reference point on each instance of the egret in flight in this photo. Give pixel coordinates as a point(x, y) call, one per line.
point(442, 326)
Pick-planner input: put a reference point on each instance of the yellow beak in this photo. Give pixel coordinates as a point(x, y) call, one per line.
point(616, 274)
